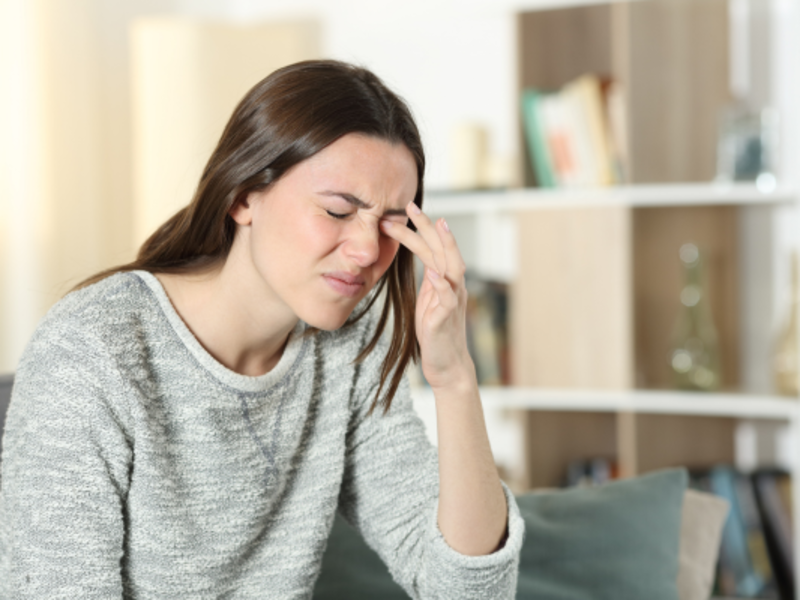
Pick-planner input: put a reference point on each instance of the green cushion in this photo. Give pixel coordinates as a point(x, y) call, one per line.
point(351, 570)
point(615, 542)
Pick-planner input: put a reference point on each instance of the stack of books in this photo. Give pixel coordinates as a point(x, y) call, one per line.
point(591, 472)
point(576, 136)
point(756, 557)
point(487, 330)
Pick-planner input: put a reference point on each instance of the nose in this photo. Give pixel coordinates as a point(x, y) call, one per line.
point(363, 244)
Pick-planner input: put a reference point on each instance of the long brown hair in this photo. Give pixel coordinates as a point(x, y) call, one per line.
point(286, 118)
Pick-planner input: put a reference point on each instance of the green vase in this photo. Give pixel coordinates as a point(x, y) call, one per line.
point(694, 357)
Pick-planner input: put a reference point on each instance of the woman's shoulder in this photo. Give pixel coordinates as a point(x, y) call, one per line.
point(121, 292)
point(108, 309)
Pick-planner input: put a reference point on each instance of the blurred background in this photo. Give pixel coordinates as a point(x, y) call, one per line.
point(108, 109)
point(71, 201)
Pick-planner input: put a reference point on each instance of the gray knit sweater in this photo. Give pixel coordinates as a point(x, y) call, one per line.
point(137, 466)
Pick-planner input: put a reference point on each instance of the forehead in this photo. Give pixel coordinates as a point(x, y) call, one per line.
point(369, 165)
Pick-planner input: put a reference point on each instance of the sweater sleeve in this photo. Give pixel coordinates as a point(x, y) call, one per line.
point(65, 467)
point(390, 494)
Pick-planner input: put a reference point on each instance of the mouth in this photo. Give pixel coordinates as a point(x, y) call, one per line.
point(345, 283)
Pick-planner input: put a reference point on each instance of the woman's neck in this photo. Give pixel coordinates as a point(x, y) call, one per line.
point(238, 326)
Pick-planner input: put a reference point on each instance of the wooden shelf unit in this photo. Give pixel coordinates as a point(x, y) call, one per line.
point(598, 277)
point(579, 388)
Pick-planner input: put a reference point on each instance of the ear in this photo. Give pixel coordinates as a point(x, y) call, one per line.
point(242, 212)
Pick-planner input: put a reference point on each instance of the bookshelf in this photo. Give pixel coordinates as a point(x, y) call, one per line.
point(610, 406)
point(594, 275)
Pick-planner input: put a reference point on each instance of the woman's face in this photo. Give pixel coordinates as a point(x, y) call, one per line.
point(313, 240)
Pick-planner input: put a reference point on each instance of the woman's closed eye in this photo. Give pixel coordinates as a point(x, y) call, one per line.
point(400, 220)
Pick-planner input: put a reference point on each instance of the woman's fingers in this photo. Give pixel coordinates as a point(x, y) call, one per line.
point(427, 231)
point(442, 243)
point(434, 244)
point(413, 241)
point(410, 240)
point(455, 262)
point(444, 290)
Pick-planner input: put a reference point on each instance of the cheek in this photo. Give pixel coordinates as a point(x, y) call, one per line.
point(320, 235)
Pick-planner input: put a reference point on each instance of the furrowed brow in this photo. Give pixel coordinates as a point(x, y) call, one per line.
point(358, 203)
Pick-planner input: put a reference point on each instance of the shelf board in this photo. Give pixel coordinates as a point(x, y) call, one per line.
point(444, 203)
point(639, 401)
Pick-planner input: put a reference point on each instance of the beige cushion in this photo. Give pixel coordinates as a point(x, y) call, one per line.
point(701, 534)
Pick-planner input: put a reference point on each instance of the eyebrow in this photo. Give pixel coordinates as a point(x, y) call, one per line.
point(358, 203)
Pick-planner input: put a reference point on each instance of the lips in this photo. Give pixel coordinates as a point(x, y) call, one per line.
point(344, 283)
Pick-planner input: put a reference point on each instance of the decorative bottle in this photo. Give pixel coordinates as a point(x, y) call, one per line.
point(786, 350)
point(694, 359)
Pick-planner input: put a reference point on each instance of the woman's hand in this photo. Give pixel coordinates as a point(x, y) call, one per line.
point(442, 303)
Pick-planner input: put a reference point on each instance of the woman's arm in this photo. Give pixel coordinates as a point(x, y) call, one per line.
point(390, 492)
point(472, 512)
point(64, 477)
point(472, 505)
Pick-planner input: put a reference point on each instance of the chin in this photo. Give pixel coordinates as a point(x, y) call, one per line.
point(327, 320)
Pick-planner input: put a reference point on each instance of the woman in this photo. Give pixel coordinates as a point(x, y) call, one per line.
point(186, 426)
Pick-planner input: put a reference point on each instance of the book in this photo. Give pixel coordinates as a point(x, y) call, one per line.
point(560, 138)
point(535, 137)
point(591, 472)
point(585, 97)
point(617, 115)
point(755, 535)
point(569, 133)
point(775, 509)
point(737, 574)
point(487, 335)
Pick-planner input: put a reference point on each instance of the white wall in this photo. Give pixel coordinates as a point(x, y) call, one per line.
point(64, 153)
point(451, 61)
point(19, 188)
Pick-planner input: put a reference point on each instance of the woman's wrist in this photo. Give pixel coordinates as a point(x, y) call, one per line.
point(460, 380)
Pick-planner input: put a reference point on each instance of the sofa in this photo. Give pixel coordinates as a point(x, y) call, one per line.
point(5, 398)
point(647, 537)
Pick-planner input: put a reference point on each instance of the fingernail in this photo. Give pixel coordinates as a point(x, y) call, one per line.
point(386, 224)
point(445, 226)
point(414, 208)
point(433, 274)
